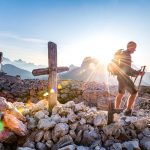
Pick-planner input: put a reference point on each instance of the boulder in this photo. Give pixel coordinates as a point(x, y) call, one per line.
point(60, 130)
point(46, 124)
point(131, 145)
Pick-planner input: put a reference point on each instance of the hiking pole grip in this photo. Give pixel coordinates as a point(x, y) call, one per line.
point(142, 69)
point(138, 75)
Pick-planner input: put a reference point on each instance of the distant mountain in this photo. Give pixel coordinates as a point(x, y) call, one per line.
point(90, 70)
point(22, 64)
point(13, 70)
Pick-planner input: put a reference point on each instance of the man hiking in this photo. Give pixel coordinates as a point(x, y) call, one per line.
point(123, 76)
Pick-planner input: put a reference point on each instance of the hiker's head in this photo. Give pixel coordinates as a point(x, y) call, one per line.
point(131, 47)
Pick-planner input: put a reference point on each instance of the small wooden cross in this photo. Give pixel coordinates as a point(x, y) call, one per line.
point(52, 71)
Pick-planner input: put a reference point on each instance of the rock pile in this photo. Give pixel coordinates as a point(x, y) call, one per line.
point(76, 126)
point(91, 93)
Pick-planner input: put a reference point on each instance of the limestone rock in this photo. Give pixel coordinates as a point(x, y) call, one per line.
point(68, 147)
point(116, 146)
point(61, 129)
point(32, 123)
point(41, 146)
point(89, 137)
point(46, 124)
point(39, 115)
point(7, 136)
point(15, 125)
point(25, 148)
point(39, 136)
point(82, 148)
point(145, 143)
point(47, 135)
point(100, 120)
point(49, 143)
point(131, 145)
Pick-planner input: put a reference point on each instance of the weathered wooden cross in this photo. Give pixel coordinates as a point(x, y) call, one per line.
point(52, 71)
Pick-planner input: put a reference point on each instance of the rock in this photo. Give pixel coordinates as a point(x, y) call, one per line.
point(39, 136)
point(63, 141)
point(80, 107)
point(15, 125)
point(41, 105)
point(47, 135)
point(1, 146)
point(41, 146)
point(46, 124)
point(100, 120)
point(70, 104)
point(131, 145)
point(25, 148)
point(64, 120)
point(130, 119)
point(13, 111)
point(89, 137)
point(32, 123)
point(56, 109)
point(29, 144)
point(39, 115)
point(82, 148)
point(56, 118)
point(49, 143)
point(145, 143)
point(7, 136)
point(3, 104)
point(74, 125)
point(72, 117)
point(60, 130)
point(79, 136)
point(82, 121)
point(102, 148)
point(111, 129)
point(109, 142)
point(72, 134)
point(96, 144)
point(68, 147)
point(141, 123)
point(146, 132)
point(117, 146)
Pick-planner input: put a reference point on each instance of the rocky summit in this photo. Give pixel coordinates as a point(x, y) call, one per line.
point(70, 126)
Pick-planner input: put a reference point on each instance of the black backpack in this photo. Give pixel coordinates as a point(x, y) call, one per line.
point(114, 66)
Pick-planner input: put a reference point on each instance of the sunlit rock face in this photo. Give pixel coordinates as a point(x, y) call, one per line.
point(73, 126)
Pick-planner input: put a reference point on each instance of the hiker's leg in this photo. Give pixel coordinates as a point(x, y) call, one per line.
point(133, 94)
point(118, 100)
point(131, 101)
point(121, 91)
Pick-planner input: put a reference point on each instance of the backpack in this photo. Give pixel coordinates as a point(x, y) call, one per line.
point(114, 66)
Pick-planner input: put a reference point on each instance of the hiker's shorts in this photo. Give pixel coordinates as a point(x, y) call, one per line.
point(125, 83)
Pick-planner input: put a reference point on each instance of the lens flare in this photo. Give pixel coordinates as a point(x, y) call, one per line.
point(53, 90)
point(59, 86)
point(45, 94)
point(1, 125)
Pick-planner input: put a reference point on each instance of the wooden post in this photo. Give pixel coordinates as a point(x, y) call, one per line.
point(52, 79)
point(52, 71)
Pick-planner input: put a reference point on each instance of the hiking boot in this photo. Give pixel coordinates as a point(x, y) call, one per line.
point(128, 112)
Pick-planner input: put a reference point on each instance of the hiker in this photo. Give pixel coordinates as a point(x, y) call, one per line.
point(124, 71)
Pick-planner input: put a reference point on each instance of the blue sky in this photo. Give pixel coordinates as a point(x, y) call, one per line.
point(80, 28)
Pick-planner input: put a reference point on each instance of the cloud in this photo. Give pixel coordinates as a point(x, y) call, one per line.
point(17, 37)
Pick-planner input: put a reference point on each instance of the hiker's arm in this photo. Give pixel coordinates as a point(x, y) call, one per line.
point(132, 72)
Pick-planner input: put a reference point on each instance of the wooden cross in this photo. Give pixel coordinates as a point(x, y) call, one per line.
point(52, 71)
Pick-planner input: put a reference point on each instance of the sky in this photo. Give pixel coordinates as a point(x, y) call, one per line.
point(80, 28)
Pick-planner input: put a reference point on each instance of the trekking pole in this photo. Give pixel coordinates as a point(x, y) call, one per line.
point(143, 69)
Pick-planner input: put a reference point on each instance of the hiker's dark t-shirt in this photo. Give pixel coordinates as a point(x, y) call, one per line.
point(125, 83)
point(125, 64)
